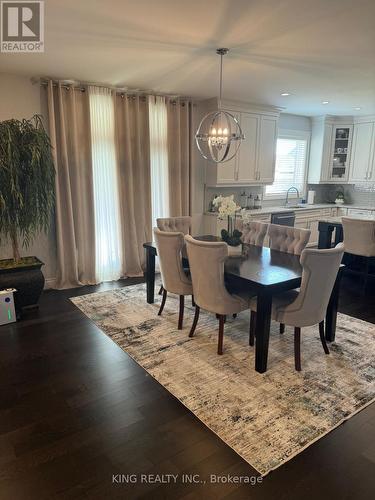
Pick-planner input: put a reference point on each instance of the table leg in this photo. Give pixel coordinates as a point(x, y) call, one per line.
point(325, 235)
point(150, 275)
point(331, 315)
point(262, 330)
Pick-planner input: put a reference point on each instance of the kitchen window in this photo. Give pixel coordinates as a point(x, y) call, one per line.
point(291, 164)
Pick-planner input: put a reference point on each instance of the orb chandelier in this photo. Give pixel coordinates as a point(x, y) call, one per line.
point(219, 134)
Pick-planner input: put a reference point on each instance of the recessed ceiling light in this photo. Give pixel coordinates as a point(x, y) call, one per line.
point(285, 94)
point(325, 102)
point(357, 108)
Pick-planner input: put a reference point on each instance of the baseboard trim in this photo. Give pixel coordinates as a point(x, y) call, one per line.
point(50, 283)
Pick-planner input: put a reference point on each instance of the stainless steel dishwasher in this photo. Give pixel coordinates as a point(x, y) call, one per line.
point(283, 218)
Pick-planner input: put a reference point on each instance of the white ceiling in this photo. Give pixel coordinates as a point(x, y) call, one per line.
point(315, 49)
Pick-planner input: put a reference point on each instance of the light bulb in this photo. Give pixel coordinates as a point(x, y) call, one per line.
point(225, 131)
point(213, 131)
point(219, 132)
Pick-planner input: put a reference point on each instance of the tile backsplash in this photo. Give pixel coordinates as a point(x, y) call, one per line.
point(210, 193)
point(358, 194)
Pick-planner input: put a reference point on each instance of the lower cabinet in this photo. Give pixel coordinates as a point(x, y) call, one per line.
point(306, 219)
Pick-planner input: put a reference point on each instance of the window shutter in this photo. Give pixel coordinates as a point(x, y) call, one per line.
point(290, 167)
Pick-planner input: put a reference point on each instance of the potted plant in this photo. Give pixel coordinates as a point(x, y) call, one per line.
point(227, 208)
point(340, 198)
point(27, 177)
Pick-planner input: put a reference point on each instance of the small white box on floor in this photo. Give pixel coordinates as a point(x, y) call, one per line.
point(7, 311)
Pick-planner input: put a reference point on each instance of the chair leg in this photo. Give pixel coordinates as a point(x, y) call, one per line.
point(282, 327)
point(253, 320)
point(221, 334)
point(161, 290)
point(195, 321)
point(192, 301)
point(297, 348)
point(163, 301)
point(322, 337)
point(218, 317)
point(181, 312)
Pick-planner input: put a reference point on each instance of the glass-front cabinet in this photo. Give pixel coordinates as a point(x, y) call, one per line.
point(331, 142)
point(338, 169)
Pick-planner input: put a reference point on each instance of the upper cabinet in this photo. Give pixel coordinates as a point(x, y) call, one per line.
point(330, 151)
point(362, 157)
point(254, 162)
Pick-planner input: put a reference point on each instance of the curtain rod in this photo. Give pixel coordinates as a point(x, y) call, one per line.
point(121, 91)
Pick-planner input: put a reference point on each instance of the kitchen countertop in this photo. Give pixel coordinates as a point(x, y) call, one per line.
point(271, 210)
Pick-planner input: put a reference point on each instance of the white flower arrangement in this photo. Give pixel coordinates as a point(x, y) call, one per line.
point(226, 206)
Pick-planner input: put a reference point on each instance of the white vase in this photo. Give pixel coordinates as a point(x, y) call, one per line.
point(234, 251)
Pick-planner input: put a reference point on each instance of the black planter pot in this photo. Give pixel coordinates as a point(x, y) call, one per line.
point(28, 280)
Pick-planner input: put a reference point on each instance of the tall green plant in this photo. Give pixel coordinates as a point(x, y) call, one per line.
point(27, 178)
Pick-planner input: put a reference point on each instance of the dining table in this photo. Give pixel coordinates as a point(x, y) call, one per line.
point(263, 272)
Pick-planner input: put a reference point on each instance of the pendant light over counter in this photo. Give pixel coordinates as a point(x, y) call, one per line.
point(219, 134)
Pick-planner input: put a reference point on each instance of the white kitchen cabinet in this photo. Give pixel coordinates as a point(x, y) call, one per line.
point(341, 211)
point(255, 160)
point(362, 158)
point(362, 213)
point(247, 154)
point(265, 171)
point(330, 151)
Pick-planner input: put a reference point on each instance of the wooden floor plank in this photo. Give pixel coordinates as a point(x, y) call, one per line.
point(75, 410)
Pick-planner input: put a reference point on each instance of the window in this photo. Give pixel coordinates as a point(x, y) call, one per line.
point(291, 156)
point(108, 256)
point(159, 158)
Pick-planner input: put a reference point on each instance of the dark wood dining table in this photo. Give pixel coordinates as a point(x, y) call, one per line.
point(263, 272)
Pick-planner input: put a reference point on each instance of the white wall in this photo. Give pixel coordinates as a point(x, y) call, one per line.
point(19, 98)
point(294, 122)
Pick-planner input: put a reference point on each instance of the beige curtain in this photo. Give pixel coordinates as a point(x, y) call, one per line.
point(133, 150)
point(69, 125)
point(179, 155)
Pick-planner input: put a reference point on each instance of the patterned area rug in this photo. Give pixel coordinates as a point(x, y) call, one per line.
point(266, 418)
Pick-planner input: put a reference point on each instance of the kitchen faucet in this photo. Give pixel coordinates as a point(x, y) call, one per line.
point(287, 194)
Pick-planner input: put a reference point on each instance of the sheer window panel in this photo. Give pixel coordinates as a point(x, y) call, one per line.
point(159, 157)
point(108, 254)
point(291, 165)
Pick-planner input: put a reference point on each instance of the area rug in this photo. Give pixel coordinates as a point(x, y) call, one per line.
point(266, 418)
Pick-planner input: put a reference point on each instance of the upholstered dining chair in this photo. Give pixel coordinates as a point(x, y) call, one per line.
point(288, 239)
point(206, 261)
point(307, 306)
point(177, 224)
point(359, 239)
point(169, 246)
point(253, 232)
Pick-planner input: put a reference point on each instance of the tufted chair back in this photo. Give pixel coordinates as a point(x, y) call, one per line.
point(359, 236)
point(320, 269)
point(176, 224)
point(253, 232)
point(169, 245)
point(206, 261)
point(288, 239)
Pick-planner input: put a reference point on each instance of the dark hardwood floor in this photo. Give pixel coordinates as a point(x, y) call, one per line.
point(76, 410)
